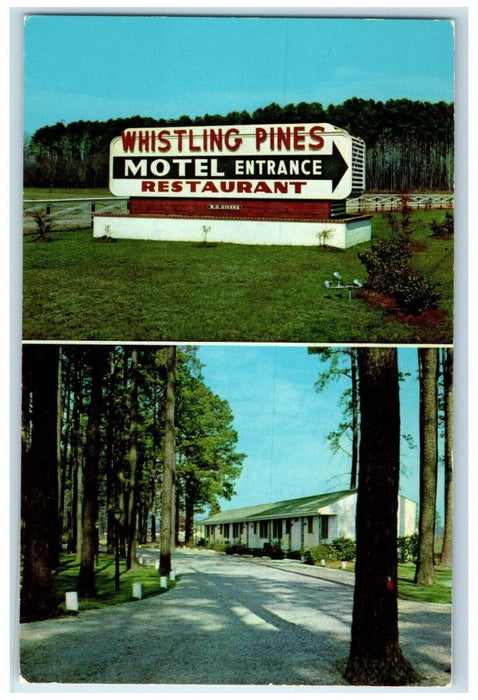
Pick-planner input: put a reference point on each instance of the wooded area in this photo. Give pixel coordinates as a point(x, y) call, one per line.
point(135, 430)
point(409, 143)
point(435, 381)
point(375, 654)
point(97, 433)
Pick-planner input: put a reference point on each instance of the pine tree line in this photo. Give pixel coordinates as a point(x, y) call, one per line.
point(94, 440)
point(409, 143)
point(435, 377)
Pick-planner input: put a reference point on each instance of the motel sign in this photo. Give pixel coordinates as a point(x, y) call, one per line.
point(275, 162)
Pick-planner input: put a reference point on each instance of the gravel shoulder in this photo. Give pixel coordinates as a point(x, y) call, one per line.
point(230, 621)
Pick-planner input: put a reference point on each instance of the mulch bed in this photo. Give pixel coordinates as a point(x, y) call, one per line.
point(429, 317)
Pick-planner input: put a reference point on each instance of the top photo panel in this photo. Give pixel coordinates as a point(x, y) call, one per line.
point(238, 179)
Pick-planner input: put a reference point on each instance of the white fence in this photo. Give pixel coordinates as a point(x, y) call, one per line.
point(79, 212)
point(376, 203)
point(71, 213)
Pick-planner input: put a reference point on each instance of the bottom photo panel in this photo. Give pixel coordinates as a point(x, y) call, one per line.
point(235, 515)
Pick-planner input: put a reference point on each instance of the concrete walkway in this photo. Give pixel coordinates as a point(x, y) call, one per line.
point(230, 621)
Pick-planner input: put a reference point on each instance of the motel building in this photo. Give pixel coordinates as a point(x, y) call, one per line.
point(299, 523)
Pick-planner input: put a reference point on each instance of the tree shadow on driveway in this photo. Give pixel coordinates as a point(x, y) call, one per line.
point(229, 622)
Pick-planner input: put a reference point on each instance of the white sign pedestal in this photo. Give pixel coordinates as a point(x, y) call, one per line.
point(337, 233)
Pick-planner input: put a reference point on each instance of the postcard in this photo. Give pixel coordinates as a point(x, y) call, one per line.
point(238, 326)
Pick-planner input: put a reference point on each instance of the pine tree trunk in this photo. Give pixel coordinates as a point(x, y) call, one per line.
point(428, 374)
point(375, 656)
point(56, 509)
point(355, 419)
point(78, 507)
point(167, 494)
point(110, 467)
point(77, 499)
point(133, 464)
point(64, 468)
point(446, 555)
point(153, 526)
point(177, 510)
point(40, 485)
point(189, 501)
point(89, 544)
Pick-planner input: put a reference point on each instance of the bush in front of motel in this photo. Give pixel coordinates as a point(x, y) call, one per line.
point(317, 553)
point(273, 550)
point(216, 545)
point(237, 548)
point(408, 548)
point(294, 554)
point(270, 549)
point(341, 549)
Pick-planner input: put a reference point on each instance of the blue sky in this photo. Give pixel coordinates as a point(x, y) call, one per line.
point(283, 422)
point(95, 67)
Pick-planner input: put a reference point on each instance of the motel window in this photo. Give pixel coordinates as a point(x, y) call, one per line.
point(288, 525)
point(277, 529)
point(264, 529)
point(236, 530)
point(226, 531)
point(254, 528)
point(310, 524)
point(324, 527)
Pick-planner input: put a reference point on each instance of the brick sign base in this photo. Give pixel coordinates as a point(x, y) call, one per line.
point(335, 232)
point(260, 210)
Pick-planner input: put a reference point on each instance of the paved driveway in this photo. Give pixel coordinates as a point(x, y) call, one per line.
point(230, 621)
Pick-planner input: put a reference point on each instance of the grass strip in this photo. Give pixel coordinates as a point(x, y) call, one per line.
point(440, 592)
point(66, 578)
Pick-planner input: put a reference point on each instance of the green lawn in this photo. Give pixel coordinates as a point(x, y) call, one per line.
point(66, 579)
point(440, 592)
point(80, 288)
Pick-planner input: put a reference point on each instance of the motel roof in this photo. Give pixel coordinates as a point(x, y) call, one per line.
point(308, 505)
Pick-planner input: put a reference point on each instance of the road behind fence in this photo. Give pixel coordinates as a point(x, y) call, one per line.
point(79, 212)
point(71, 213)
point(376, 203)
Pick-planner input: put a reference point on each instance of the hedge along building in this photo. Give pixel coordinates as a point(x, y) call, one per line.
point(299, 523)
point(253, 184)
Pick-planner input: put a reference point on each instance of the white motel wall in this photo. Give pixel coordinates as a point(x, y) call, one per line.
point(338, 234)
point(298, 523)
